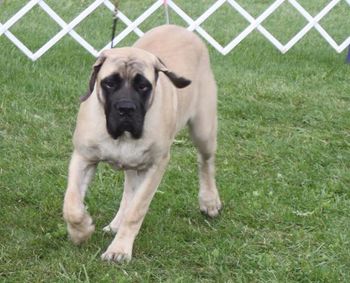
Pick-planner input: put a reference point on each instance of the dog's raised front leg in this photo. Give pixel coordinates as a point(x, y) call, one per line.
point(121, 247)
point(131, 182)
point(79, 222)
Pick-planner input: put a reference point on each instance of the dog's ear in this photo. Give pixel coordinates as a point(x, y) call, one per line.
point(95, 69)
point(179, 82)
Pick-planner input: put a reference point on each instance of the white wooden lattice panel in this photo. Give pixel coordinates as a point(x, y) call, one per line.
point(193, 25)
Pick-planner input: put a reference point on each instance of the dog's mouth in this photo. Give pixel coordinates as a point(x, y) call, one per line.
point(127, 126)
point(118, 125)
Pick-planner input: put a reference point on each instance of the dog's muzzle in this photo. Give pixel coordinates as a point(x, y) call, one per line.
point(124, 115)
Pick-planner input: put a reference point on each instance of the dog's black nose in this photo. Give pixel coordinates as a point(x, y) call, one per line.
point(125, 107)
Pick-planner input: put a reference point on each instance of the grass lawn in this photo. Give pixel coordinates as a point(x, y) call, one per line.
point(283, 161)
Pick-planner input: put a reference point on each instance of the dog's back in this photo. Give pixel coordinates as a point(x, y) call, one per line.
point(184, 53)
point(176, 47)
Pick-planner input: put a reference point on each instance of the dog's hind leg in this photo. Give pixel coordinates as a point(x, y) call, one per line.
point(209, 200)
point(203, 127)
point(79, 222)
point(131, 182)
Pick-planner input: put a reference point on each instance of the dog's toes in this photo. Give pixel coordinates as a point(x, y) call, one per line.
point(211, 212)
point(115, 256)
point(211, 208)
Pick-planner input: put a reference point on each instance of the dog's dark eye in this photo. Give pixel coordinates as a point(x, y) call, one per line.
point(109, 84)
point(143, 87)
point(112, 82)
point(141, 84)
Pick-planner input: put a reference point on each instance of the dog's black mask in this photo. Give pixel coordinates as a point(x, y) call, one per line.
point(125, 104)
point(126, 99)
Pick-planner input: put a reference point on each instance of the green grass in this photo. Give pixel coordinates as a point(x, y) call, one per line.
point(283, 162)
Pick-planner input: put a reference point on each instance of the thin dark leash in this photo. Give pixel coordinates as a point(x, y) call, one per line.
point(115, 17)
point(115, 20)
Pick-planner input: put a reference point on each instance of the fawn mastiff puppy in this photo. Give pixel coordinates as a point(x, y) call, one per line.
point(139, 97)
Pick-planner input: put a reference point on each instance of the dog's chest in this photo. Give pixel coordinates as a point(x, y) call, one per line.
point(124, 153)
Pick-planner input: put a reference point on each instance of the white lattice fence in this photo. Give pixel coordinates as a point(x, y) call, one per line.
point(193, 25)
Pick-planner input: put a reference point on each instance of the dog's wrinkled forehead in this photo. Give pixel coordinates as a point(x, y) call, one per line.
point(128, 64)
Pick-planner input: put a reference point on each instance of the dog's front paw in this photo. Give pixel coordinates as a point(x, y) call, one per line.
point(210, 205)
point(79, 223)
point(118, 256)
point(80, 232)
